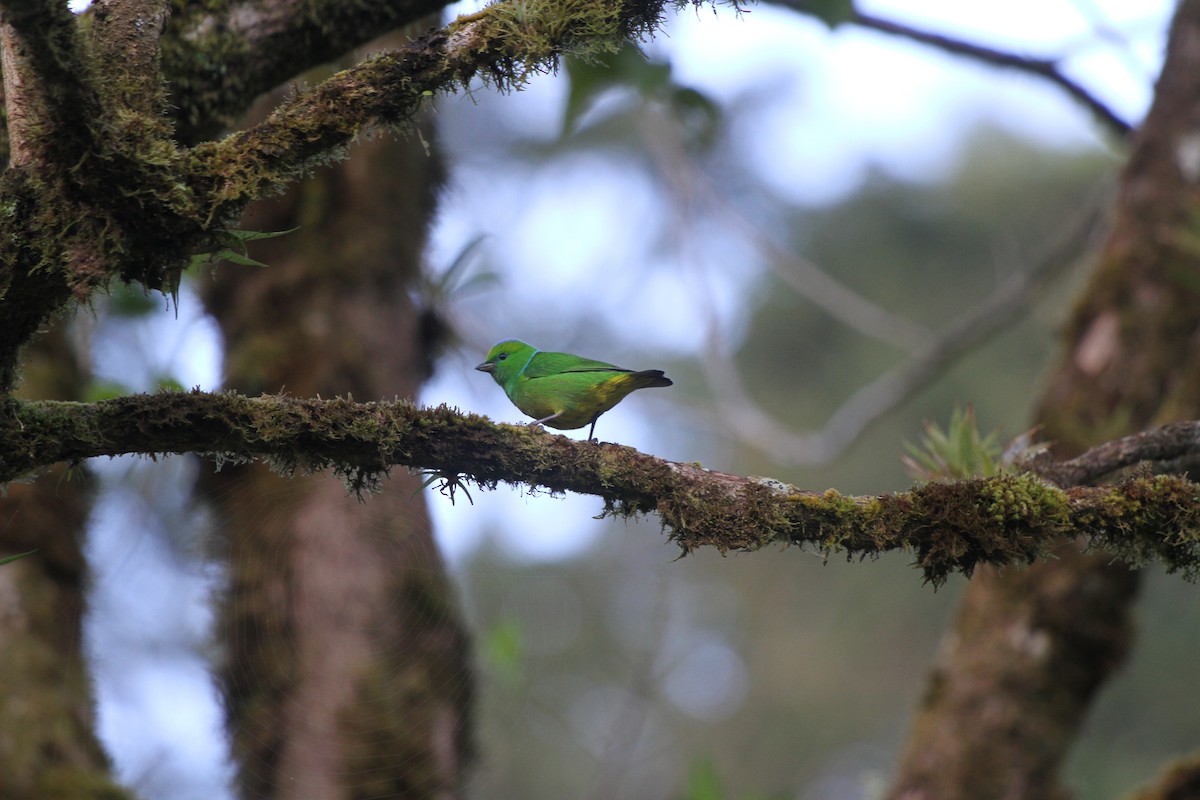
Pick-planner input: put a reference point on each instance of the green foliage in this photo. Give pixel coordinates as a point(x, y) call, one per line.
point(703, 782)
point(433, 295)
point(168, 383)
point(960, 451)
point(831, 12)
point(101, 389)
point(130, 301)
point(458, 281)
point(98, 390)
point(503, 648)
point(628, 69)
point(10, 559)
point(232, 248)
point(450, 483)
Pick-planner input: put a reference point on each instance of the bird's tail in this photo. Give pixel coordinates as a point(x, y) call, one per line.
point(648, 378)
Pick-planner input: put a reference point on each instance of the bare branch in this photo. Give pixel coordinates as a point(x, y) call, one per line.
point(872, 401)
point(1173, 448)
point(687, 181)
point(932, 352)
point(1048, 69)
point(1179, 781)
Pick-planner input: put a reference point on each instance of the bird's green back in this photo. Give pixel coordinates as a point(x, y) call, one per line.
point(544, 364)
point(562, 390)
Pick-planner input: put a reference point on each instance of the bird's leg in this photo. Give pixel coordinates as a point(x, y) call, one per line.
point(593, 430)
point(543, 420)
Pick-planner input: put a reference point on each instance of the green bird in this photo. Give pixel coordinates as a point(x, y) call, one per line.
point(562, 390)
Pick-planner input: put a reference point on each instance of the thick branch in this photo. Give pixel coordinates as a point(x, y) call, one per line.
point(1003, 520)
point(1179, 782)
point(505, 43)
point(1172, 449)
point(218, 59)
point(46, 81)
point(127, 35)
point(113, 197)
point(22, 106)
point(1131, 359)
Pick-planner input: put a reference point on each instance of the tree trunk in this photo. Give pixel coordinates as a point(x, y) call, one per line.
point(48, 742)
point(347, 670)
point(1030, 649)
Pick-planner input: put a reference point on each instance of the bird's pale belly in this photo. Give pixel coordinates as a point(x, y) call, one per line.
point(575, 405)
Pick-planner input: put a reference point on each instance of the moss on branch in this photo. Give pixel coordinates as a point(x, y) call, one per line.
point(1008, 519)
point(106, 193)
point(503, 45)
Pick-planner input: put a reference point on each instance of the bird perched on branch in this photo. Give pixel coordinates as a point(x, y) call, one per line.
point(562, 390)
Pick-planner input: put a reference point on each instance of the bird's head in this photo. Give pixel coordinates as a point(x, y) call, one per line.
point(506, 359)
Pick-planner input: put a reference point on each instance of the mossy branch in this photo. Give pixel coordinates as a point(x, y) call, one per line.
point(503, 44)
point(219, 55)
point(47, 81)
point(126, 40)
point(950, 527)
point(106, 193)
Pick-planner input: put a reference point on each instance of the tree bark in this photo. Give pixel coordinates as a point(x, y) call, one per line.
point(348, 671)
point(1029, 650)
point(48, 742)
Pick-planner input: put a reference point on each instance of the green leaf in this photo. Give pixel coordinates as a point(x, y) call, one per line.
point(960, 451)
point(455, 282)
point(99, 390)
point(9, 559)
point(254, 236)
point(703, 782)
point(590, 78)
point(638, 81)
point(169, 383)
point(503, 649)
point(831, 12)
point(233, 247)
point(130, 300)
point(236, 258)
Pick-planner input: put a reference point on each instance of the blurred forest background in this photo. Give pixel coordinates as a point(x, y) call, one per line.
point(658, 212)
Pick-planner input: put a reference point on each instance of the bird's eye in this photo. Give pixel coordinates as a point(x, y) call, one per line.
point(502, 356)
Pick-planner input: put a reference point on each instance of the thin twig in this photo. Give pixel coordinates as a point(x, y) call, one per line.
point(931, 354)
point(1042, 67)
point(892, 388)
point(1173, 449)
point(807, 279)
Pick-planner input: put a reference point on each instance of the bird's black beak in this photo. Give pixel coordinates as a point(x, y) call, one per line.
point(486, 366)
